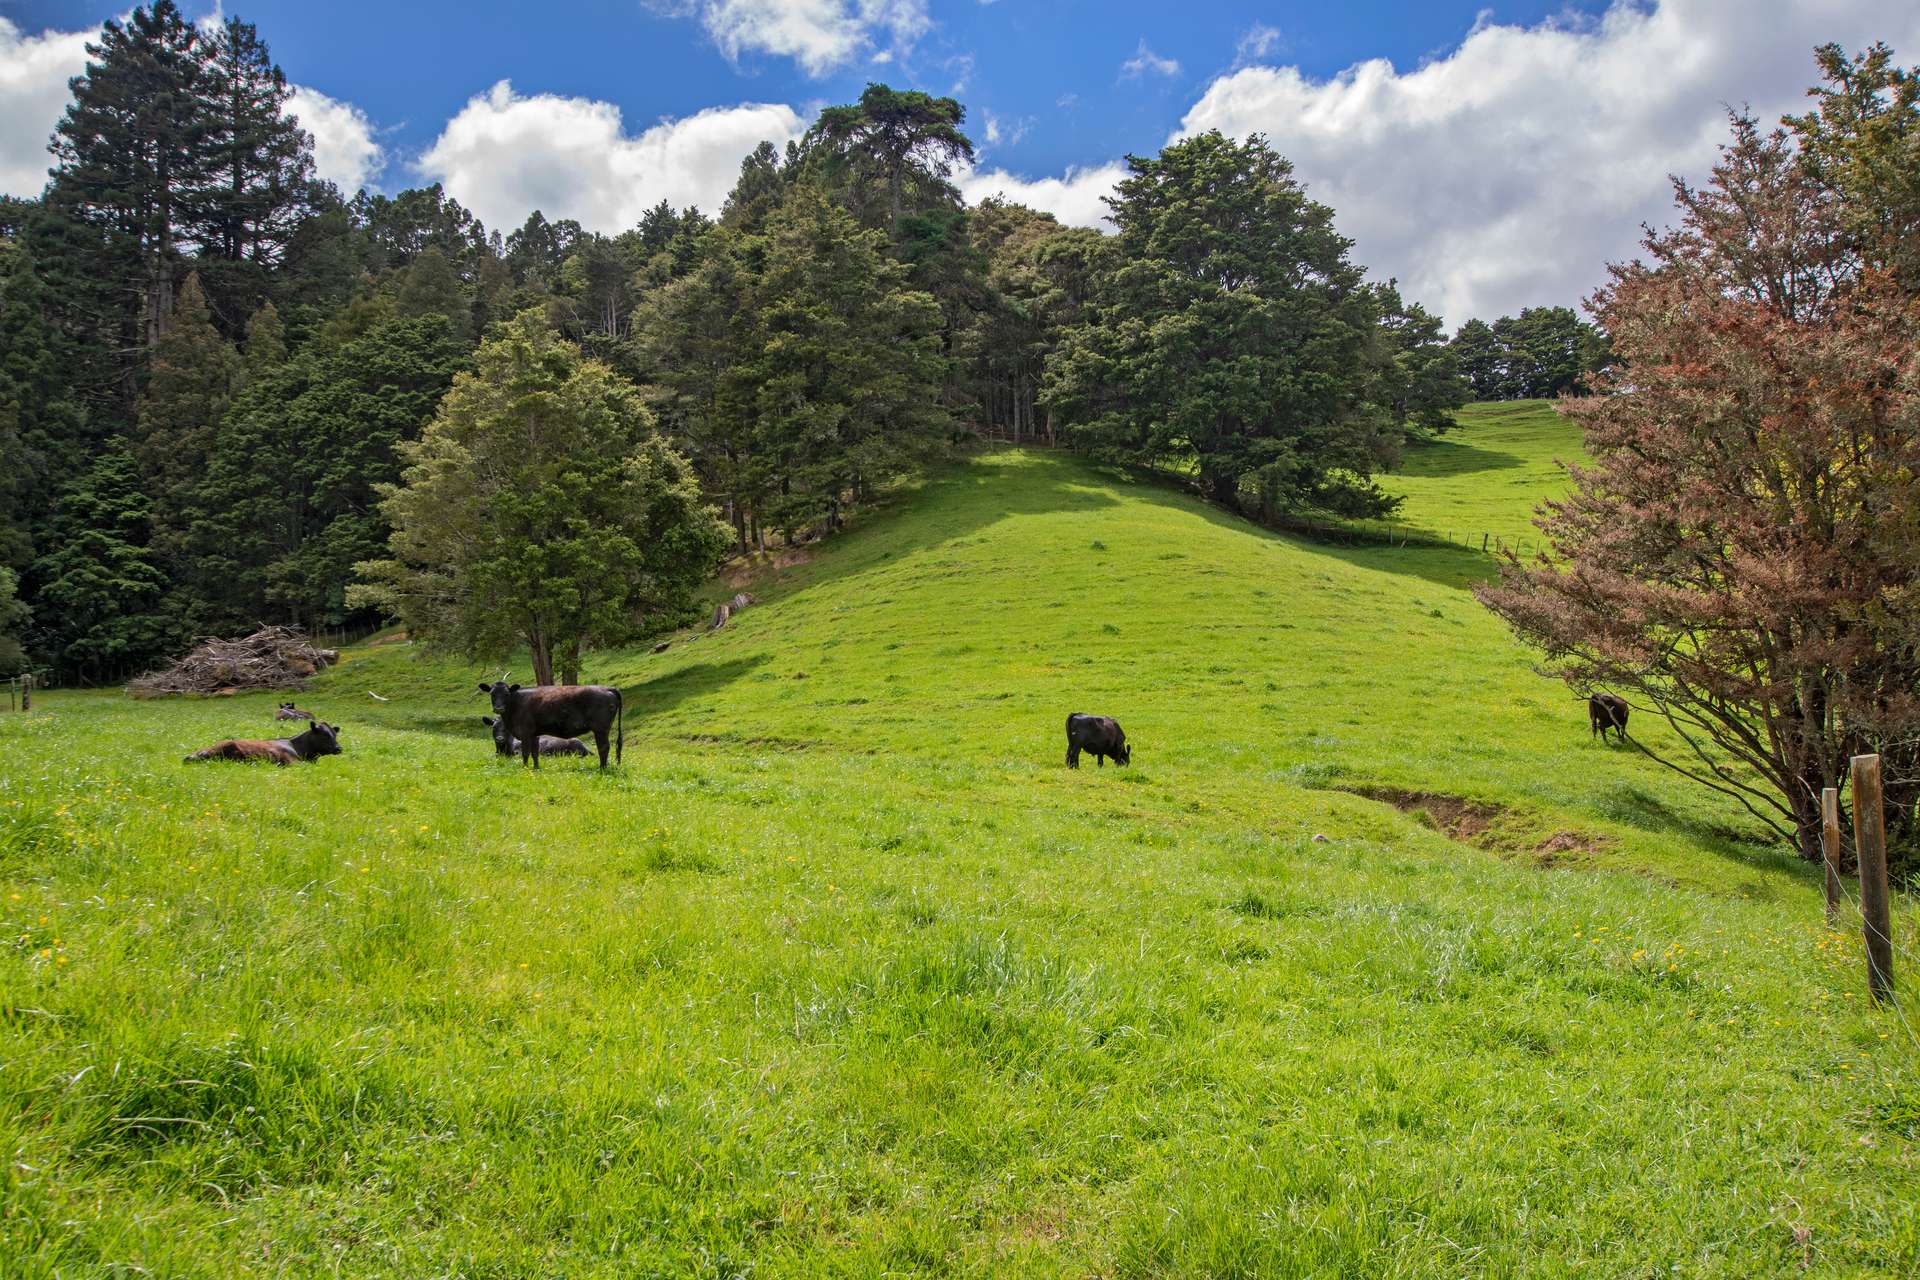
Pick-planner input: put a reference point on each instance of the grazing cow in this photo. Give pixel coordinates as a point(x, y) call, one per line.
point(1607, 711)
point(287, 711)
point(318, 739)
point(1101, 736)
point(563, 710)
point(506, 744)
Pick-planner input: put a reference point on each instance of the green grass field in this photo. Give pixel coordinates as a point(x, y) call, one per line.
point(1484, 477)
point(844, 973)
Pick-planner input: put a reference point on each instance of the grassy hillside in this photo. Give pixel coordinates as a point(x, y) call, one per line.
point(1485, 476)
point(844, 973)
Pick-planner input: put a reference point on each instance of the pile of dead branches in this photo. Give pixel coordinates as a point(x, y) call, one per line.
point(270, 658)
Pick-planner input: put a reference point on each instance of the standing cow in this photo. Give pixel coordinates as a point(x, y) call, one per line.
point(1607, 711)
point(318, 739)
point(563, 710)
point(505, 744)
point(1101, 736)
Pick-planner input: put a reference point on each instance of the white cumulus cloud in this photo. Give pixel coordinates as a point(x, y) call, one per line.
point(505, 155)
point(820, 35)
point(34, 71)
point(345, 152)
point(1076, 199)
point(1509, 171)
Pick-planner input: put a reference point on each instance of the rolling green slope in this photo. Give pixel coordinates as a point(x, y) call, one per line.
point(1485, 475)
point(842, 972)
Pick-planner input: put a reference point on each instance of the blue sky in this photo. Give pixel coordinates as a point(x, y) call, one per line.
point(411, 66)
point(1489, 155)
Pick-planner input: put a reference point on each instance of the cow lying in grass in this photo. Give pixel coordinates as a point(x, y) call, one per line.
point(562, 710)
point(319, 739)
point(287, 711)
point(506, 744)
point(1101, 736)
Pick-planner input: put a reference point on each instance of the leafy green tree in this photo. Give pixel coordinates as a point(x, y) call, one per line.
point(189, 381)
point(1418, 382)
point(846, 380)
point(1231, 334)
point(430, 286)
point(14, 617)
point(100, 598)
point(1481, 358)
point(541, 508)
point(1861, 142)
point(534, 252)
point(762, 182)
point(694, 338)
point(397, 229)
point(1039, 276)
point(893, 150)
point(266, 346)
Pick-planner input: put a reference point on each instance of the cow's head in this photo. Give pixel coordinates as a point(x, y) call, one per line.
point(320, 739)
point(502, 740)
point(500, 691)
point(1125, 754)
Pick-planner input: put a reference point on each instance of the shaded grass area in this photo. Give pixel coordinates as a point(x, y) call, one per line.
point(844, 973)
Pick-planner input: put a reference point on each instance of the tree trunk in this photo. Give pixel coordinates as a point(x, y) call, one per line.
point(542, 653)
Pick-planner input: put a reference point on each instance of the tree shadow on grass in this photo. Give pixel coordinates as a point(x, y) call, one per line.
point(648, 698)
point(643, 698)
point(1454, 458)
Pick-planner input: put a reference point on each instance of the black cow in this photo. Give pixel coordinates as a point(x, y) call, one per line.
point(287, 711)
point(506, 744)
point(563, 710)
point(318, 739)
point(1607, 711)
point(1101, 736)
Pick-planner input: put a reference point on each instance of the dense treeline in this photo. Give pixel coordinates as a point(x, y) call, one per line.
point(1543, 351)
point(218, 373)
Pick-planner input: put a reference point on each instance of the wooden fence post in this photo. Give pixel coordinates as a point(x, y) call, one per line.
point(1830, 847)
point(1870, 847)
point(26, 692)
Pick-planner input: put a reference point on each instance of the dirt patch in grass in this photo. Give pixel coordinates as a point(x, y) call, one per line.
point(1467, 821)
point(1496, 828)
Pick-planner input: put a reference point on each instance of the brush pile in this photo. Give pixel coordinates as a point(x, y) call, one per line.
point(270, 658)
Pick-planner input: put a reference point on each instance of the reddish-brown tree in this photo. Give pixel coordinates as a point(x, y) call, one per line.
point(1741, 554)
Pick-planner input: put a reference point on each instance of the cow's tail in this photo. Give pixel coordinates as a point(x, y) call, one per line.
point(620, 723)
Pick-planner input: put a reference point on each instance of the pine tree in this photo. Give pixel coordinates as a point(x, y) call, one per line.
point(288, 503)
point(189, 382)
point(266, 345)
point(43, 430)
point(130, 156)
point(258, 180)
point(1231, 334)
point(99, 598)
point(14, 617)
point(430, 287)
point(891, 152)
